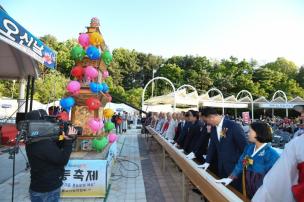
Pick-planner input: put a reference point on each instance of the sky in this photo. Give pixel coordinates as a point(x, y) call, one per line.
point(247, 29)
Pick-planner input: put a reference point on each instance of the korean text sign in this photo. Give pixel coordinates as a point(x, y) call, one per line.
point(15, 35)
point(84, 178)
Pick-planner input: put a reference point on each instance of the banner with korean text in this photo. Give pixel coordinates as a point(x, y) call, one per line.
point(84, 178)
point(12, 33)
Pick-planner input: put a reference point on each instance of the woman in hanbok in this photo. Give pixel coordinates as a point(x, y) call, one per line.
point(256, 160)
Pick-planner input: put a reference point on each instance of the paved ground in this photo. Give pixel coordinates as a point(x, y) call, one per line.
point(137, 176)
point(161, 185)
point(6, 165)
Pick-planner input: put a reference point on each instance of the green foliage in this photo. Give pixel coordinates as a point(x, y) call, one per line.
point(284, 66)
point(130, 71)
point(9, 88)
point(63, 49)
point(51, 87)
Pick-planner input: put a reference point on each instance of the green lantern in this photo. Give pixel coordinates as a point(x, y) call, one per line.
point(100, 144)
point(77, 53)
point(109, 126)
point(107, 57)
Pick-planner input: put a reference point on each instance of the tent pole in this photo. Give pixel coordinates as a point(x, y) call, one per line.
point(27, 93)
point(32, 93)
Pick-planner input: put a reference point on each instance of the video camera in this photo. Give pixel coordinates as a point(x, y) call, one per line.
point(41, 126)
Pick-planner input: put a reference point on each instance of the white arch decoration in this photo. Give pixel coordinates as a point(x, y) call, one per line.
point(285, 97)
point(250, 96)
point(159, 78)
point(219, 92)
point(193, 88)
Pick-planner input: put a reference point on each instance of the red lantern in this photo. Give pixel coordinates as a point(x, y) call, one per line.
point(64, 116)
point(77, 72)
point(93, 103)
point(109, 97)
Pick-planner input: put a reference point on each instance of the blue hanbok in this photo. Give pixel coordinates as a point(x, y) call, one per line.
point(254, 165)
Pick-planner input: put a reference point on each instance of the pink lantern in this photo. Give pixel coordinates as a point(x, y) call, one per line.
point(95, 124)
point(90, 72)
point(105, 74)
point(84, 40)
point(73, 87)
point(112, 137)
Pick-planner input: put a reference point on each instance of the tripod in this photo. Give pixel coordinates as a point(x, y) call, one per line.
point(12, 155)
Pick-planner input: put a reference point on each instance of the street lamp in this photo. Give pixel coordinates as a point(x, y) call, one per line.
point(153, 72)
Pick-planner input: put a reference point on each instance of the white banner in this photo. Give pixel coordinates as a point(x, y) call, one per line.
point(84, 178)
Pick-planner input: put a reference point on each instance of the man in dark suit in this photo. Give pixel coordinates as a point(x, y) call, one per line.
point(179, 126)
point(184, 132)
point(199, 146)
point(227, 142)
point(194, 132)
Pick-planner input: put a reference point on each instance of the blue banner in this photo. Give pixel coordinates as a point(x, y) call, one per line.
point(15, 35)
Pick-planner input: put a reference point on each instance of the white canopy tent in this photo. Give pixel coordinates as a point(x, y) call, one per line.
point(217, 102)
point(182, 99)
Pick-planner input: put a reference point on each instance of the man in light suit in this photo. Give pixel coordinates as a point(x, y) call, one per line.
point(227, 141)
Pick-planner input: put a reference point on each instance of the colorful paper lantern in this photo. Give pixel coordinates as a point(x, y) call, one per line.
point(84, 40)
point(108, 113)
point(77, 72)
point(107, 57)
point(112, 137)
point(73, 87)
point(105, 74)
point(95, 124)
point(93, 53)
point(96, 87)
point(100, 144)
point(109, 126)
point(64, 116)
point(96, 39)
point(93, 103)
point(105, 87)
point(77, 53)
point(109, 97)
point(67, 103)
point(90, 72)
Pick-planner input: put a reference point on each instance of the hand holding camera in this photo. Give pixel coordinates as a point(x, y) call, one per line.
point(71, 134)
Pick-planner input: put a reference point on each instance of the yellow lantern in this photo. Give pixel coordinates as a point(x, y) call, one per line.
point(96, 39)
point(108, 113)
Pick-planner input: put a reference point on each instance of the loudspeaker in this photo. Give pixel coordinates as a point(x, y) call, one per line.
point(20, 116)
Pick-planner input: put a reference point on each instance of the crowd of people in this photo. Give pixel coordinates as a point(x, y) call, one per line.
point(220, 145)
point(123, 121)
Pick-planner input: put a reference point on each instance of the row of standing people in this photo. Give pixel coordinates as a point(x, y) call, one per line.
point(220, 145)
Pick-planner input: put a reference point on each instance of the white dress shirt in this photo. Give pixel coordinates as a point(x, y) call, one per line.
point(219, 129)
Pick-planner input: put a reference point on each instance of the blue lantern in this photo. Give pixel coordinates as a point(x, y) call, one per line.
point(93, 53)
point(105, 88)
point(67, 103)
point(96, 87)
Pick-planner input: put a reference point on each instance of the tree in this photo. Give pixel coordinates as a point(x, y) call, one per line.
point(51, 87)
point(133, 96)
point(172, 72)
point(9, 88)
point(127, 63)
point(300, 77)
point(197, 74)
point(63, 49)
point(282, 65)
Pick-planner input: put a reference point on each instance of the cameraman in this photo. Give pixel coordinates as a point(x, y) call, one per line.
point(47, 159)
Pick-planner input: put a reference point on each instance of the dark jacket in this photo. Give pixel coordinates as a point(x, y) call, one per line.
point(192, 137)
point(183, 134)
point(201, 145)
point(47, 161)
point(178, 131)
point(228, 149)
